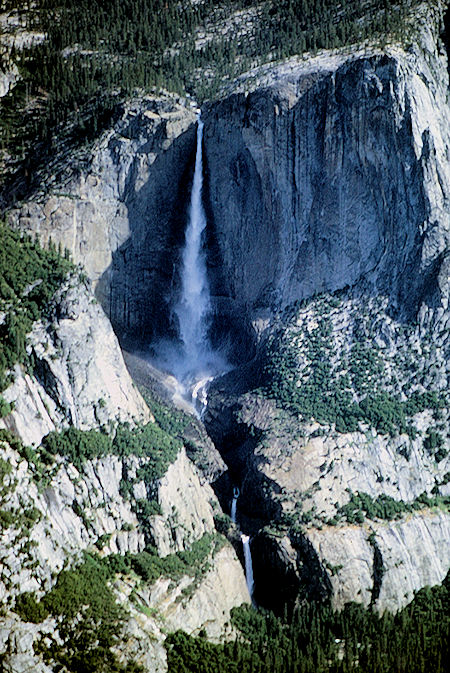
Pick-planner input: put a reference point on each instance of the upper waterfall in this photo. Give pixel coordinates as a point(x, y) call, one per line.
point(192, 360)
point(193, 307)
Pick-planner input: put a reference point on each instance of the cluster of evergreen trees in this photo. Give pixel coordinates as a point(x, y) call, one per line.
point(29, 276)
point(317, 639)
point(97, 53)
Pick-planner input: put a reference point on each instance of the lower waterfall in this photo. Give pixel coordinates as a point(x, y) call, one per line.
point(248, 564)
point(234, 504)
point(245, 539)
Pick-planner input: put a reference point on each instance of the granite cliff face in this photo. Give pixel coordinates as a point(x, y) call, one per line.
point(332, 172)
point(122, 217)
point(55, 511)
point(50, 518)
point(79, 375)
point(333, 176)
point(322, 497)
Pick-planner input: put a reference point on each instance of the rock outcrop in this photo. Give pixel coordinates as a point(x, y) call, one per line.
point(305, 484)
point(50, 515)
point(79, 377)
point(56, 510)
point(122, 217)
point(332, 175)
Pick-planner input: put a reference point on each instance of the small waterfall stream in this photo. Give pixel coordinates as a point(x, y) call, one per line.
point(248, 564)
point(236, 494)
point(245, 539)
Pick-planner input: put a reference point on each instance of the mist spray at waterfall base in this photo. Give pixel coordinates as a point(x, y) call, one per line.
point(192, 361)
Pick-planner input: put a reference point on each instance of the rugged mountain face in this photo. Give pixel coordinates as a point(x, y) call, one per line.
point(122, 218)
point(59, 511)
point(327, 188)
point(52, 515)
point(79, 376)
point(336, 180)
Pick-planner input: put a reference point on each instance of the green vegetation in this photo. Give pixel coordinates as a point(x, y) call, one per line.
point(29, 277)
point(385, 507)
point(434, 445)
point(40, 462)
point(146, 441)
point(149, 566)
point(77, 445)
point(89, 619)
point(151, 441)
point(5, 407)
point(5, 469)
point(309, 372)
point(318, 640)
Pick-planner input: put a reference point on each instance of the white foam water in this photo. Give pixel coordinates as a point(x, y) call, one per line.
point(193, 308)
point(248, 564)
point(192, 360)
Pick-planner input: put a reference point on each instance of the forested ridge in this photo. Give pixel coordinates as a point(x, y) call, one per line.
point(90, 56)
point(316, 639)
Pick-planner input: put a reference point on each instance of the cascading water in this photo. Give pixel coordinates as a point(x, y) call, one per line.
point(194, 306)
point(234, 504)
point(248, 564)
point(245, 539)
point(193, 361)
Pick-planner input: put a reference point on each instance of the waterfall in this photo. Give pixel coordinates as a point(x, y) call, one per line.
point(194, 305)
point(191, 359)
point(248, 564)
point(245, 539)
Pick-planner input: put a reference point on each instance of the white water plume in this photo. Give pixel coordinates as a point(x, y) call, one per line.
point(193, 308)
point(193, 361)
point(248, 564)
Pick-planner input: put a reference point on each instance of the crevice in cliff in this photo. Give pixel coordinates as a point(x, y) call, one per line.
point(287, 571)
point(378, 569)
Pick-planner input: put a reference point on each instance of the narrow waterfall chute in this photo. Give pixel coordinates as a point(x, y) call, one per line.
point(248, 564)
point(193, 307)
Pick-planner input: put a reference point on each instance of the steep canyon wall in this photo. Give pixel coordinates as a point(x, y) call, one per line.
point(123, 217)
point(331, 173)
point(324, 174)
